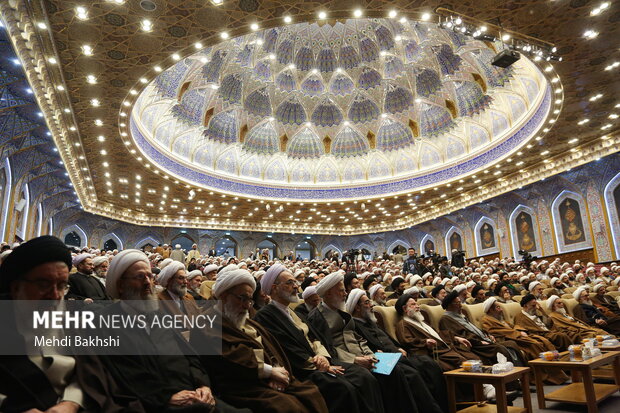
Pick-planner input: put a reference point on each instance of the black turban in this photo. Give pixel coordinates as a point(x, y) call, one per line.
point(368, 281)
point(30, 254)
point(526, 299)
point(437, 289)
point(448, 299)
point(348, 279)
point(306, 282)
point(474, 291)
point(402, 300)
point(396, 282)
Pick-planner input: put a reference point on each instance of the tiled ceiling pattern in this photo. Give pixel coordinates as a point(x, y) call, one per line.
point(85, 113)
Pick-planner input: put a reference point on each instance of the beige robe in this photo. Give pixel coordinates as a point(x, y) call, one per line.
point(576, 329)
point(560, 340)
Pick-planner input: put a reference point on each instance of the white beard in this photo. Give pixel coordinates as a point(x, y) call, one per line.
point(134, 299)
point(340, 305)
point(416, 315)
point(368, 315)
point(588, 302)
point(179, 290)
point(238, 319)
point(561, 311)
point(293, 298)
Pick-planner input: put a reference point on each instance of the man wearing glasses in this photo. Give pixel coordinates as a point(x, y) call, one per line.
point(253, 370)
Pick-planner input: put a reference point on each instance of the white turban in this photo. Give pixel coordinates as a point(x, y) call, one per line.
point(470, 284)
point(459, 288)
point(524, 278)
point(309, 291)
point(299, 272)
point(167, 273)
point(119, 265)
point(553, 281)
point(577, 292)
point(533, 285)
point(230, 277)
point(598, 286)
point(550, 301)
point(373, 290)
point(193, 274)
point(603, 270)
point(209, 268)
point(258, 274)
point(411, 290)
point(97, 261)
point(164, 263)
point(328, 282)
point(80, 257)
point(488, 303)
point(425, 276)
point(413, 280)
point(353, 298)
point(178, 246)
point(436, 281)
point(270, 277)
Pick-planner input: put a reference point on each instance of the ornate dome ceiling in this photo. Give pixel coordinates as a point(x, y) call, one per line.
point(351, 109)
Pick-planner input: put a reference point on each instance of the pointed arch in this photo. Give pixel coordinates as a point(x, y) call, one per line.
point(331, 247)
point(454, 239)
point(79, 231)
point(486, 237)
point(526, 234)
point(20, 231)
point(37, 230)
point(396, 243)
point(115, 238)
point(426, 239)
point(612, 202)
point(147, 240)
point(569, 222)
point(7, 196)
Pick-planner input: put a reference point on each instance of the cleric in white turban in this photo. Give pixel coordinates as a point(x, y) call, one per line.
point(232, 276)
point(353, 298)
point(168, 272)
point(488, 303)
point(266, 282)
point(119, 265)
point(328, 282)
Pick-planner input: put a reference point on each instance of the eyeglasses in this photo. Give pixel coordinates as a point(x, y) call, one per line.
point(140, 277)
point(45, 286)
point(290, 283)
point(244, 299)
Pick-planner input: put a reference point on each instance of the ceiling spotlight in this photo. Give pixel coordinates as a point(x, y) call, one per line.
point(392, 14)
point(52, 60)
point(126, 103)
point(81, 13)
point(146, 25)
point(217, 2)
point(60, 87)
point(458, 21)
point(254, 26)
point(483, 29)
point(357, 13)
point(101, 138)
point(98, 122)
point(87, 50)
point(157, 68)
point(133, 92)
point(176, 56)
point(426, 17)
point(94, 102)
point(143, 80)
point(42, 26)
point(505, 37)
point(198, 45)
point(91, 79)
point(590, 34)
point(322, 15)
point(403, 20)
point(224, 35)
point(287, 19)
point(67, 110)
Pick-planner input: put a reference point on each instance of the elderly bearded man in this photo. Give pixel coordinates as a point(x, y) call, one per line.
point(422, 373)
point(534, 320)
point(532, 345)
point(336, 330)
point(311, 301)
point(454, 323)
point(84, 285)
point(587, 312)
point(605, 303)
point(100, 268)
point(156, 365)
point(576, 329)
point(253, 370)
point(345, 387)
point(174, 298)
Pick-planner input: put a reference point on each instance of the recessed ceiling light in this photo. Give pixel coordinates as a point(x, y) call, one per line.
point(590, 34)
point(91, 79)
point(157, 68)
point(94, 102)
point(254, 26)
point(133, 92)
point(426, 16)
point(357, 13)
point(146, 25)
point(98, 122)
point(322, 15)
point(60, 87)
point(67, 110)
point(287, 19)
point(392, 14)
point(81, 13)
point(42, 26)
point(52, 60)
point(224, 35)
point(101, 138)
point(87, 50)
point(175, 56)
point(198, 45)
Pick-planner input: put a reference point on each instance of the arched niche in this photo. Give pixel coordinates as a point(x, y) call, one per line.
point(79, 232)
point(112, 237)
point(185, 240)
point(454, 240)
point(427, 244)
point(400, 245)
point(270, 245)
point(305, 249)
point(146, 243)
point(570, 221)
point(485, 234)
point(365, 246)
point(226, 246)
point(612, 201)
point(524, 231)
point(330, 247)
point(21, 210)
point(5, 192)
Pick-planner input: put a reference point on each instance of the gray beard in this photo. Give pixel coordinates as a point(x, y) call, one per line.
point(148, 304)
point(416, 315)
point(338, 305)
point(101, 274)
point(293, 298)
point(309, 307)
point(179, 290)
point(238, 319)
point(368, 315)
point(588, 302)
point(562, 311)
point(499, 316)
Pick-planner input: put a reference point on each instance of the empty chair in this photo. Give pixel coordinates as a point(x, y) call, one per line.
point(510, 311)
point(432, 314)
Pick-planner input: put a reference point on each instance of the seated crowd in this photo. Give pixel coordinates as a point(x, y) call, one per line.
point(296, 335)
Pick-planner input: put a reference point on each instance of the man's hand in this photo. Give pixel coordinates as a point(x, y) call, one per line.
point(204, 395)
point(276, 385)
point(339, 370)
point(430, 342)
point(64, 407)
point(403, 352)
point(523, 334)
point(88, 301)
point(183, 398)
point(492, 338)
point(601, 322)
point(365, 361)
point(320, 363)
point(280, 375)
point(463, 341)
